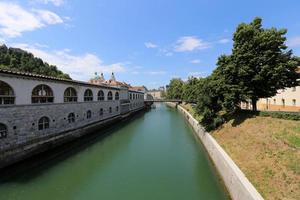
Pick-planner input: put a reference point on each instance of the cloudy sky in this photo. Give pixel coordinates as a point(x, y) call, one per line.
point(145, 42)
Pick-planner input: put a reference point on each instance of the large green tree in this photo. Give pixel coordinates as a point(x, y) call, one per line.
point(175, 90)
point(261, 62)
point(191, 89)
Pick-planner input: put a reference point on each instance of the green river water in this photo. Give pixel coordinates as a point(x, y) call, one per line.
point(152, 157)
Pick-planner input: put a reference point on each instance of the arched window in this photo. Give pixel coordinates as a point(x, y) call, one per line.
point(70, 95)
point(100, 95)
point(6, 94)
point(117, 108)
point(110, 110)
point(71, 118)
point(42, 94)
point(109, 96)
point(130, 96)
point(88, 114)
point(88, 95)
point(44, 123)
point(3, 131)
point(101, 112)
point(117, 97)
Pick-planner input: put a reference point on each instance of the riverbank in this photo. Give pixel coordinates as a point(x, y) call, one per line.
point(267, 150)
point(236, 182)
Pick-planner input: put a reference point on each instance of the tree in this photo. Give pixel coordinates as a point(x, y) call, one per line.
point(191, 89)
point(175, 90)
point(19, 60)
point(261, 62)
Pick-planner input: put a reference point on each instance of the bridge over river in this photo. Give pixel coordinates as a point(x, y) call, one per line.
point(152, 157)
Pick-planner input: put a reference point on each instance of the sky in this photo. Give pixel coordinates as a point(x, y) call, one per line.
point(144, 42)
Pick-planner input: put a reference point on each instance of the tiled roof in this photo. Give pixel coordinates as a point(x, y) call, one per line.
point(51, 78)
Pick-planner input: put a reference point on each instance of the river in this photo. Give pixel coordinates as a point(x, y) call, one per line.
point(154, 156)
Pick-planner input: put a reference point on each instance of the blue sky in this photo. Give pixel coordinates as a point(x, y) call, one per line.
point(143, 42)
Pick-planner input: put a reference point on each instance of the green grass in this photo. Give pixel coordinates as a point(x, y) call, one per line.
point(294, 140)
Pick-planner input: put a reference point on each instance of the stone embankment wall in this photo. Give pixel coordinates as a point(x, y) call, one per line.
point(25, 140)
point(236, 182)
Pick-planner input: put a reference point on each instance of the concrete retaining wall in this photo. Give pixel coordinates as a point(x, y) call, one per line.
point(236, 182)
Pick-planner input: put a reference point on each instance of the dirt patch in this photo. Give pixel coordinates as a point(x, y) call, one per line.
point(268, 151)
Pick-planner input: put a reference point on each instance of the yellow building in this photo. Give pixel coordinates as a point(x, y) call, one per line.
point(285, 100)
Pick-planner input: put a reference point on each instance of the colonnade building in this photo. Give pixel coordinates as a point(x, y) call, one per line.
point(36, 110)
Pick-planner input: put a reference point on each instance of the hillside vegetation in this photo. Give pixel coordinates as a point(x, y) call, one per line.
point(15, 59)
point(267, 150)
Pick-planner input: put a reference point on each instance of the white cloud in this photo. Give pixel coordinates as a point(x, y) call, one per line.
point(224, 41)
point(156, 72)
point(190, 43)
point(80, 67)
point(295, 41)
point(150, 45)
point(197, 74)
point(48, 17)
point(54, 2)
point(196, 61)
point(14, 19)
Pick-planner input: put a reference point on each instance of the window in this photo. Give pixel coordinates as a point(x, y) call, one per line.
point(3, 131)
point(100, 95)
point(6, 94)
point(294, 102)
point(70, 95)
point(117, 108)
point(283, 102)
point(101, 111)
point(109, 96)
point(44, 123)
point(274, 101)
point(130, 96)
point(88, 95)
point(110, 110)
point(293, 89)
point(42, 94)
point(117, 97)
point(71, 118)
point(88, 114)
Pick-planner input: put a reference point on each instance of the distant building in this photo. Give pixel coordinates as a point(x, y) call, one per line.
point(287, 99)
point(100, 80)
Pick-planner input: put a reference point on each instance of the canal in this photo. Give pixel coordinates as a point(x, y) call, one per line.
point(152, 157)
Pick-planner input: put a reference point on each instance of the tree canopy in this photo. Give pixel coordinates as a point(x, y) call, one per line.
point(260, 61)
point(15, 59)
point(175, 90)
point(260, 64)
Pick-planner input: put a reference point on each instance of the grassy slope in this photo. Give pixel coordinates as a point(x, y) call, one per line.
point(268, 151)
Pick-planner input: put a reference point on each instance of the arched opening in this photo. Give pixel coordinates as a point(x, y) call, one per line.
point(109, 96)
point(117, 96)
point(7, 95)
point(88, 114)
point(88, 95)
point(44, 123)
point(110, 110)
point(42, 94)
point(100, 95)
point(70, 95)
point(3, 131)
point(101, 112)
point(117, 108)
point(71, 118)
